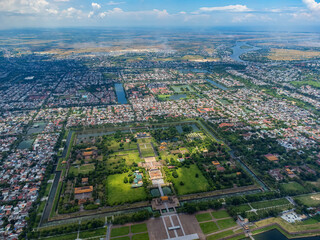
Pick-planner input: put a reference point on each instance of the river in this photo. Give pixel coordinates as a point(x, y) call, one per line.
point(238, 50)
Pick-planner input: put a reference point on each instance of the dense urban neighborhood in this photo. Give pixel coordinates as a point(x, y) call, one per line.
point(201, 137)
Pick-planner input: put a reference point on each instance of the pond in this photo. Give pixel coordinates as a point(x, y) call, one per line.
point(241, 48)
point(276, 234)
point(121, 95)
point(177, 96)
point(217, 84)
point(194, 70)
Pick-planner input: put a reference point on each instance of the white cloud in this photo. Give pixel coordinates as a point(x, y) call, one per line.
point(114, 3)
point(312, 5)
point(24, 6)
point(229, 8)
point(72, 13)
point(95, 6)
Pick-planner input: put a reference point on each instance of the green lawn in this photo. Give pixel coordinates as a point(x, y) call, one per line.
point(138, 228)
point(119, 192)
point(130, 157)
point(220, 235)
point(209, 227)
point(220, 214)
point(203, 217)
point(146, 150)
point(301, 83)
point(115, 146)
point(292, 186)
point(243, 208)
point(116, 232)
point(142, 236)
point(226, 223)
point(312, 200)
point(122, 238)
point(270, 203)
point(93, 233)
point(191, 184)
point(182, 88)
point(70, 236)
point(84, 169)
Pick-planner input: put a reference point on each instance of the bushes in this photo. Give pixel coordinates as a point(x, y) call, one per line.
point(132, 217)
point(200, 206)
point(88, 225)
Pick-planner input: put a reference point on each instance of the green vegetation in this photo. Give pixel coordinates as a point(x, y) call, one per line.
point(272, 203)
point(138, 228)
point(93, 233)
point(142, 236)
point(120, 192)
point(312, 200)
point(70, 236)
point(226, 223)
point(204, 217)
point(146, 150)
point(190, 184)
point(303, 83)
point(209, 227)
point(220, 214)
point(121, 231)
point(292, 187)
point(220, 235)
point(123, 238)
point(83, 169)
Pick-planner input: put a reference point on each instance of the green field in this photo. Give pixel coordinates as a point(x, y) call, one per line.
point(142, 236)
point(138, 228)
point(220, 214)
point(116, 232)
point(209, 227)
point(203, 217)
point(312, 200)
point(83, 169)
point(93, 233)
point(120, 192)
point(226, 223)
point(220, 235)
point(146, 150)
point(271, 203)
point(122, 238)
point(302, 83)
point(70, 236)
point(191, 184)
point(292, 186)
point(130, 157)
point(177, 88)
point(115, 146)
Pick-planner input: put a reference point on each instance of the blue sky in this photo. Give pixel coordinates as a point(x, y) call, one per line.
point(269, 14)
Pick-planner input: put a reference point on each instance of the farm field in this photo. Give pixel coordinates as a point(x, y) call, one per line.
point(291, 54)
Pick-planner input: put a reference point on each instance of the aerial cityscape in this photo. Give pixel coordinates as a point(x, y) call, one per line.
point(159, 129)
